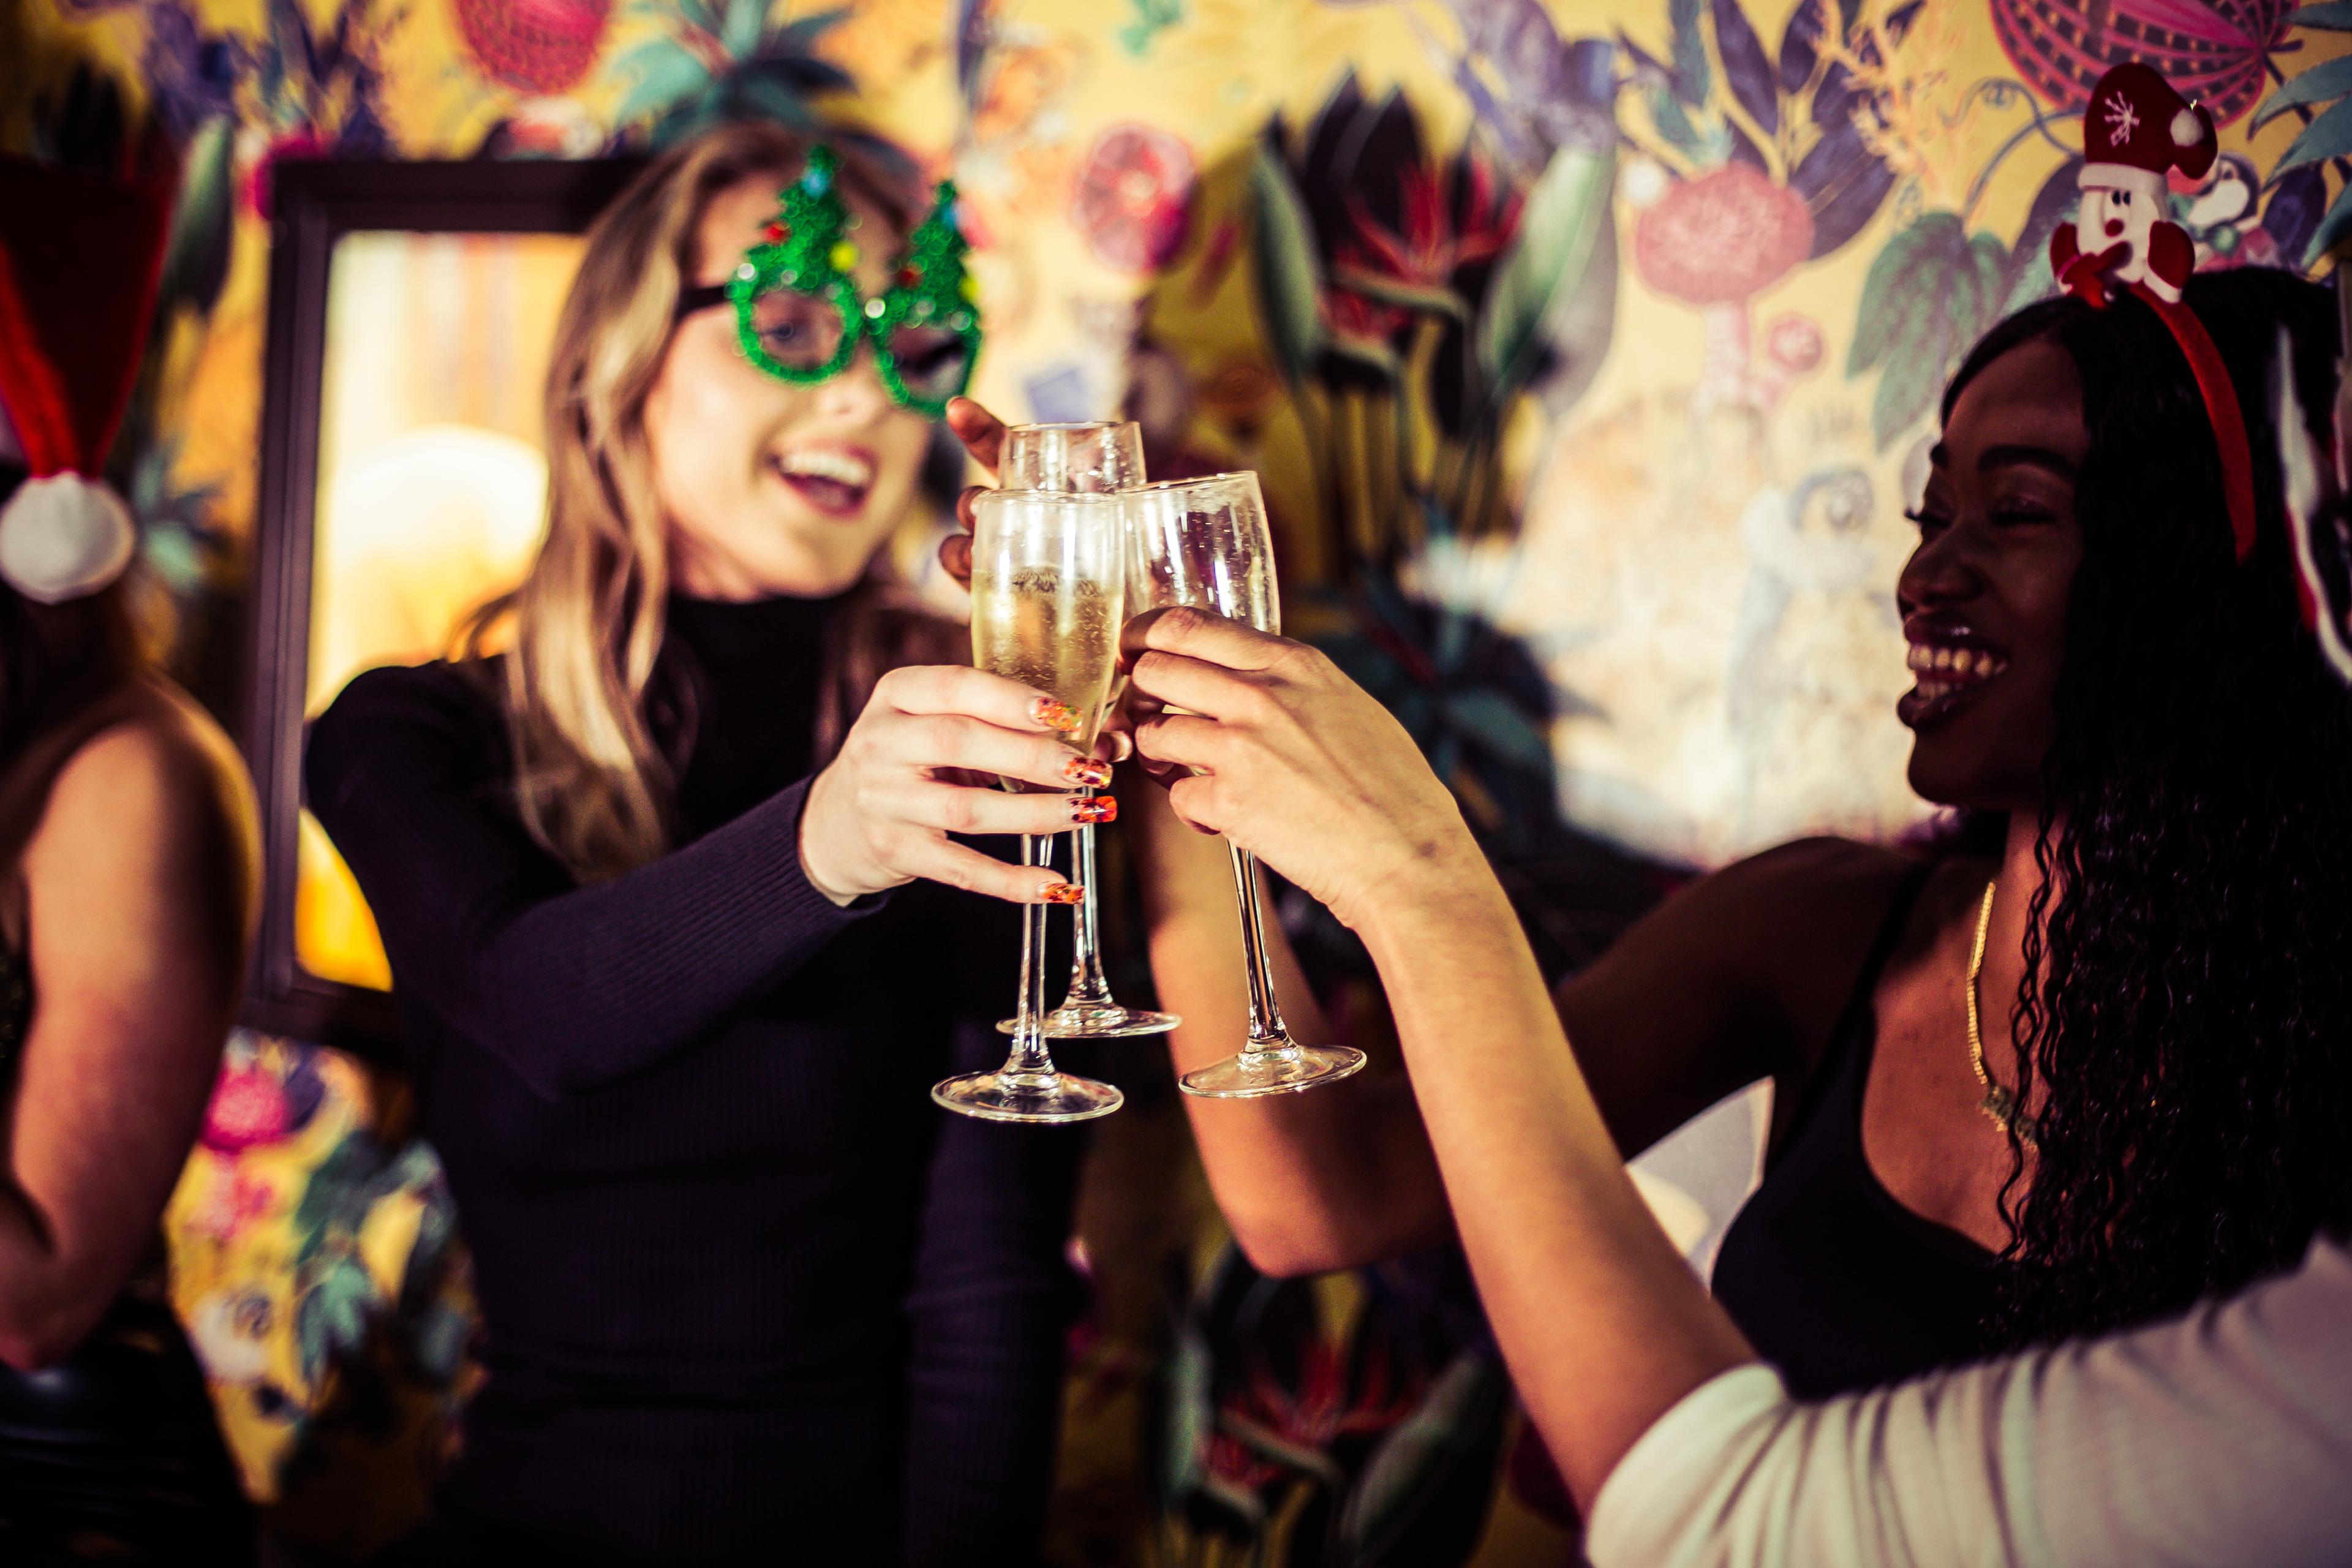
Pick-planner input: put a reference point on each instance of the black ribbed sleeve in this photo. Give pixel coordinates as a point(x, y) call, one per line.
point(748, 1294)
point(571, 986)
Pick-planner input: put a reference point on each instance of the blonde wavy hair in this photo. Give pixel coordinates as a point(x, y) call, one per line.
point(583, 630)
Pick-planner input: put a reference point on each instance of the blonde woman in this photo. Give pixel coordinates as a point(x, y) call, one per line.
point(748, 1293)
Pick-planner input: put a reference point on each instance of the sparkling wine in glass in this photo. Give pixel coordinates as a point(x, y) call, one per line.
point(1206, 543)
point(1091, 458)
point(1048, 585)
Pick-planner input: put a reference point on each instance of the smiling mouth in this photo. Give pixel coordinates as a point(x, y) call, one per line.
point(1949, 667)
point(834, 481)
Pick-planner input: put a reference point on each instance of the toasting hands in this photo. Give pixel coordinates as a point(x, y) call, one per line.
point(1291, 759)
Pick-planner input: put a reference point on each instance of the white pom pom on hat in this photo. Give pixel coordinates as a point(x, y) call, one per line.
point(64, 537)
point(2187, 129)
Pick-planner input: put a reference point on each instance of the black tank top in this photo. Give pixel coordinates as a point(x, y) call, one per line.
point(1833, 1281)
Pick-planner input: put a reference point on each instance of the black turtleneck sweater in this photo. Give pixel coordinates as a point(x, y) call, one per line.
point(748, 1295)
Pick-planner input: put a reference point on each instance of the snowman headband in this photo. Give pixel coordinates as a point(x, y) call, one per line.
point(2136, 131)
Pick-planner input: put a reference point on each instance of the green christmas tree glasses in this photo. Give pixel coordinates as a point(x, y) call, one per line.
point(799, 313)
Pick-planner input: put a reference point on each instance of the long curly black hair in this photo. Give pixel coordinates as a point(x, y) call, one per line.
point(2187, 1009)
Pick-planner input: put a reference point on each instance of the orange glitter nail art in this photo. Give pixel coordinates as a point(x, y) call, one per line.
point(1054, 715)
point(1086, 771)
point(1094, 808)
point(1063, 893)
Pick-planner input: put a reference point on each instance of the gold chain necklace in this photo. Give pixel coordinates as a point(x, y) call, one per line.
point(1998, 1103)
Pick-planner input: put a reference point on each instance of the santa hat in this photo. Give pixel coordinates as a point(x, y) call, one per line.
point(80, 254)
point(2137, 129)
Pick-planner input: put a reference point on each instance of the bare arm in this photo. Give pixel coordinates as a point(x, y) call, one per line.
point(1707, 994)
point(141, 880)
point(1310, 1182)
point(1604, 1327)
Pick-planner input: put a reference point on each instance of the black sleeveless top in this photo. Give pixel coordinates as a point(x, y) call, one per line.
point(1833, 1281)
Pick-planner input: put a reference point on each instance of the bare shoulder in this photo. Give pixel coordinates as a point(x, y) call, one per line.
point(154, 773)
point(1809, 872)
point(1799, 919)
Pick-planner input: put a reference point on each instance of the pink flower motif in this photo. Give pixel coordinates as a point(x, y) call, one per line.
point(1723, 237)
point(235, 1197)
point(1794, 343)
point(249, 1108)
point(1133, 198)
point(258, 180)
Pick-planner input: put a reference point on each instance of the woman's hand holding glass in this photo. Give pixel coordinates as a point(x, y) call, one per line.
point(1289, 759)
point(922, 762)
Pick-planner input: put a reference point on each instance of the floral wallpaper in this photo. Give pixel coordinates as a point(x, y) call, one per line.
point(1589, 349)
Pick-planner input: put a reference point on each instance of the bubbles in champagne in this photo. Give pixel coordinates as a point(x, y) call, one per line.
point(1036, 626)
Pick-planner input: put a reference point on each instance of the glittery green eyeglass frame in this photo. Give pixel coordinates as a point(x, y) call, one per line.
point(807, 253)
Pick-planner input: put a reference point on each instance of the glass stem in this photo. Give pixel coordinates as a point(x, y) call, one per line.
point(1029, 1054)
point(1088, 988)
point(1266, 1033)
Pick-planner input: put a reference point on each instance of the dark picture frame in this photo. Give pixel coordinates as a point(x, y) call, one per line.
point(315, 205)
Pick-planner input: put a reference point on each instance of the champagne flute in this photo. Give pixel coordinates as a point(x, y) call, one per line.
point(1098, 457)
point(1048, 581)
point(1206, 543)
point(1086, 458)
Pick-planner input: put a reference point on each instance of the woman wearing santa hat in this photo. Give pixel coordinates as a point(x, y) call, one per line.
point(128, 869)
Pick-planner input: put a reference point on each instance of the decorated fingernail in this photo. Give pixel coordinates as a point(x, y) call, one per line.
point(1053, 715)
point(1062, 893)
point(1094, 808)
point(1086, 771)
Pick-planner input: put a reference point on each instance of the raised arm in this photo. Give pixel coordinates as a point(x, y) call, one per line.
point(139, 883)
point(1708, 992)
point(1308, 1183)
point(1604, 1326)
point(575, 986)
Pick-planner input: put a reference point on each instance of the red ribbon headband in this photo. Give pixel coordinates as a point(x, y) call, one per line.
point(2222, 410)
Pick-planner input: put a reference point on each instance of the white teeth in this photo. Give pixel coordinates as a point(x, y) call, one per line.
point(823, 463)
point(1965, 663)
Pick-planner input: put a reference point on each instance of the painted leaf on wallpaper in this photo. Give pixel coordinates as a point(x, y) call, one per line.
point(2329, 136)
point(1692, 78)
point(2294, 212)
point(2327, 79)
point(1928, 296)
point(660, 72)
point(2030, 277)
point(1801, 46)
point(1289, 275)
point(774, 75)
point(1844, 184)
point(1452, 1437)
point(195, 256)
point(2332, 229)
point(1747, 70)
point(1546, 265)
point(330, 1315)
point(1502, 727)
point(739, 29)
point(1674, 124)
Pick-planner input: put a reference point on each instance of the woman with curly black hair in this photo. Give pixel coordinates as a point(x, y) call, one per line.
point(2083, 1065)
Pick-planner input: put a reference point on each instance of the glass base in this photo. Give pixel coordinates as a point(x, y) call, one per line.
point(1281, 1069)
point(1097, 1021)
point(1027, 1097)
